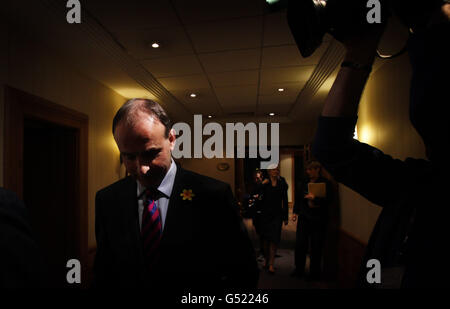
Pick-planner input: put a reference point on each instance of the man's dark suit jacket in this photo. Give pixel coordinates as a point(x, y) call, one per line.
point(204, 242)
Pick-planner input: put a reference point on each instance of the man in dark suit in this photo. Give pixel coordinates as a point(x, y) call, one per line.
point(164, 226)
point(312, 214)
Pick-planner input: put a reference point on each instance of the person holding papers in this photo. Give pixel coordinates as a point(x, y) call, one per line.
point(311, 214)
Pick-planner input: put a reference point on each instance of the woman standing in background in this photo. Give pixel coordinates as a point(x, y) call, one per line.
point(275, 211)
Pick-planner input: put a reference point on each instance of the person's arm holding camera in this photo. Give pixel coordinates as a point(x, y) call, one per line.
point(357, 165)
point(345, 94)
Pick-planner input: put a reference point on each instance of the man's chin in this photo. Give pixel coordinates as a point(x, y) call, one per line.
point(147, 182)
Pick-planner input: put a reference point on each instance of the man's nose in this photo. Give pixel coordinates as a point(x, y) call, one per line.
point(143, 167)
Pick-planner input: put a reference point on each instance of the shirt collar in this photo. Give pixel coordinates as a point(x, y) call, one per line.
point(166, 185)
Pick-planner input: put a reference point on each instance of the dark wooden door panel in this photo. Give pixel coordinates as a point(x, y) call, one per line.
point(46, 165)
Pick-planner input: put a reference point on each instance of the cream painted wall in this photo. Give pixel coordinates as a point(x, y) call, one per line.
point(39, 71)
point(208, 167)
point(383, 122)
point(286, 161)
point(293, 134)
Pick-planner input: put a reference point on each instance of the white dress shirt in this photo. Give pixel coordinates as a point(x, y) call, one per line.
point(163, 202)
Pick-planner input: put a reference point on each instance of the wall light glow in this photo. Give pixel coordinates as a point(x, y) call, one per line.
point(365, 134)
point(129, 93)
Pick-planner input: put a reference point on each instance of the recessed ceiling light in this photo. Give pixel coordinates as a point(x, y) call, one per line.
point(271, 114)
point(193, 95)
point(280, 89)
point(209, 116)
point(155, 45)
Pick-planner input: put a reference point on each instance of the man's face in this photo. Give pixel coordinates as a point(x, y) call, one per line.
point(275, 172)
point(258, 178)
point(312, 172)
point(145, 150)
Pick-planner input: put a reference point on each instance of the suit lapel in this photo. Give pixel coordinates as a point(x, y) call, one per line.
point(128, 199)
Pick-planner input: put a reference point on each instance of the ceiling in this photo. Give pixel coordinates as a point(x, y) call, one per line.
point(234, 55)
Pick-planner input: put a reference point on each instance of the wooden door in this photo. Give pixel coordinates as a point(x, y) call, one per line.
point(46, 165)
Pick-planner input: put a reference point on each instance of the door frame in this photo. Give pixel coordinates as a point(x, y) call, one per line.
point(20, 105)
point(293, 151)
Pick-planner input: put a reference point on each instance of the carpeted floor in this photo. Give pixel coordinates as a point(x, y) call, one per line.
point(284, 263)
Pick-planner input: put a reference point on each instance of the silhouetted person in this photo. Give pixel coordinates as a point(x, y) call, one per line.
point(20, 259)
point(312, 213)
point(274, 211)
point(254, 206)
point(411, 234)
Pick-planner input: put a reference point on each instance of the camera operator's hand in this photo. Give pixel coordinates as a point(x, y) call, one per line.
point(445, 10)
point(441, 15)
point(310, 196)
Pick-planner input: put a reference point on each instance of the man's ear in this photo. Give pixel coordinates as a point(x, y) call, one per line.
point(172, 138)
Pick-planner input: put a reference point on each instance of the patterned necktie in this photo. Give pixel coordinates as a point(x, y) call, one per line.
point(151, 228)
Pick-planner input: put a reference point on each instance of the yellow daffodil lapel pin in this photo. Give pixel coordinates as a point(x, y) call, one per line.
point(187, 194)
